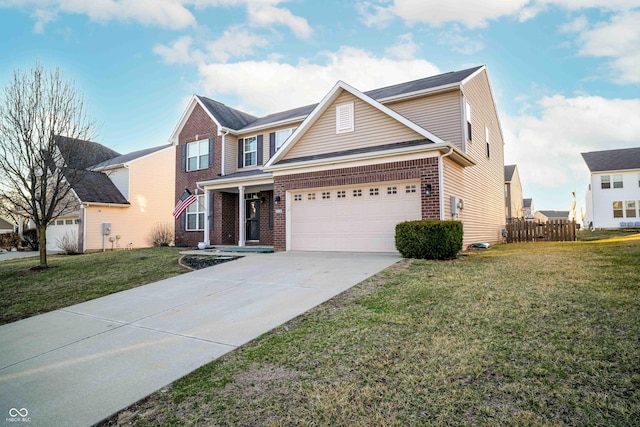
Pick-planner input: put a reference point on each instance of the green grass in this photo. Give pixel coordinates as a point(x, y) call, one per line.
point(73, 279)
point(537, 334)
point(601, 234)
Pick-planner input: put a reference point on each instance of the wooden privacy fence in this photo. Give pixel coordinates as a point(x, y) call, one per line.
point(557, 230)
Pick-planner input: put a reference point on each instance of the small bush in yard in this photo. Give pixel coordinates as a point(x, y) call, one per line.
point(68, 242)
point(160, 235)
point(30, 239)
point(429, 239)
point(9, 241)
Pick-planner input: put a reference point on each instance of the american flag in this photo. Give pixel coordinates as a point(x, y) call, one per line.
point(185, 200)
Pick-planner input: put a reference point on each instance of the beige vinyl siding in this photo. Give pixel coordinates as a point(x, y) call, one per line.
point(453, 175)
point(440, 114)
point(516, 195)
point(484, 215)
point(151, 184)
point(372, 127)
point(230, 154)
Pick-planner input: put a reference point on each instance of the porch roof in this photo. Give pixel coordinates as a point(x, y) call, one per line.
point(251, 178)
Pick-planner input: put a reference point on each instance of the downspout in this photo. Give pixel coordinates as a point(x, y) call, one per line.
point(83, 224)
point(441, 180)
point(224, 133)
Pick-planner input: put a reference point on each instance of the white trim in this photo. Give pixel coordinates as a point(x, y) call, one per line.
point(127, 163)
point(324, 105)
point(419, 93)
point(270, 125)
point(244, 152)
point(186, 114)
point(288, 197)
point(241, 217)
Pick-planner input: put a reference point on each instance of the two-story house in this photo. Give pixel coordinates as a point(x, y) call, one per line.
point(118, 200)
point(340, 174)
point(513, 201)
point(613, 196)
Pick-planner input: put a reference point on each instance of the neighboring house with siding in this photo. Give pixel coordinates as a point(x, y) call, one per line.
point(512, 193)
point(613, 196)
point(6, 226)
point(131, 193)
point(547, 215)
point(339, 175)
point(529, 210)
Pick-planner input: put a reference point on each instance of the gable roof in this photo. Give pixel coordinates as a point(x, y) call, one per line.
point(126, 158)
point(96, 187)
point(238, 121)
point(81, 154)
point(333, 94)
point(508, 172)
point(611, 160)
point(555, 214)
point(526, 203)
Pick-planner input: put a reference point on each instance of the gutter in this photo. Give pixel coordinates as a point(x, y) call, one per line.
point(224, 133)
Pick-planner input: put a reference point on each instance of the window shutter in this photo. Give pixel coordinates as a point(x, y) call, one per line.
point(260, 150)
point(183, 158)
point(240, 153)
point(211, 152)
point(271, 206)
point(272, 144)
point(183, 221)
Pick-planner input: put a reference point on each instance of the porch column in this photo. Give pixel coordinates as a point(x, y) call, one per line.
point(241, 217)
point(207, 220)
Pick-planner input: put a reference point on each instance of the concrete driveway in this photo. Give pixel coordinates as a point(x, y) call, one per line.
point(79, 365)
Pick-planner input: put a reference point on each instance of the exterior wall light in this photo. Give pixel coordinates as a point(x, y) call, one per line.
point(427, 190)
point(277, 200)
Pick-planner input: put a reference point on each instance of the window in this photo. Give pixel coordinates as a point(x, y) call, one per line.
point(617, 181)
point(617, 209)
point(60, 222)
point(342, 194)
point(486, 139)
point(631, 209)
point(467, 116)
point(195, 214)
point(373, 192)
point(250, 151)
point(344, 118)
point(68, 221)
point(392, 190)
point(297, 197)
point(311, 196)
point(357, 193)
point(605, 181)
point(411, 189)
point(198, 155)
point(282, 136)
point(326, 195)
point(639, 180)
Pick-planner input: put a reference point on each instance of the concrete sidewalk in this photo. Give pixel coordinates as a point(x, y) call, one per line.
point(79, 365)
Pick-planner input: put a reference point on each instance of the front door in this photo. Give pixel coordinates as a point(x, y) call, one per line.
point(253, 219)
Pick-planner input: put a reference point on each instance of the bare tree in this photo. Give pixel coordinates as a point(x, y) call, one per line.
point(42, 117)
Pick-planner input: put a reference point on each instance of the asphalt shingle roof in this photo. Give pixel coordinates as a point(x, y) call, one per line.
point(611, 160)
point(129, 157)
point(237, 120)
point(555, 214)
point(80, 154)
point(508, 172)
point(96, 187)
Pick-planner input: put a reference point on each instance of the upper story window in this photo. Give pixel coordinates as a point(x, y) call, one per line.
point(617, 181)
point(605, 181)
point(344, 118)
point(282, 136)
point(198, 155)
point(467, 118)
point(250, 151)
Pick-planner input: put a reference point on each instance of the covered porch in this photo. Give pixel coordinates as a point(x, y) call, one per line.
point(241, 207)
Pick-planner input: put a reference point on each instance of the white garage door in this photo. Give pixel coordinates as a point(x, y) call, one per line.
point(57, 230)
point(355, 218)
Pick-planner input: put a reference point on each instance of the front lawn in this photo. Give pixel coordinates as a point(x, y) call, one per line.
point(535, 334)
point(75, 279)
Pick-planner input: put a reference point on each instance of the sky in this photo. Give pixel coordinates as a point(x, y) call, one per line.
point(565, 74)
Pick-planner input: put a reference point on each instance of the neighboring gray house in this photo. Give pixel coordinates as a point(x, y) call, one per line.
point(545, 216)
point(527, 205)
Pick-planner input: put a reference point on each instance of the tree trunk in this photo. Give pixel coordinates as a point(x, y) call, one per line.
point(42, 241)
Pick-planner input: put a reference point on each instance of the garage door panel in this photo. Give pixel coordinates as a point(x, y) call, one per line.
point(363, 220)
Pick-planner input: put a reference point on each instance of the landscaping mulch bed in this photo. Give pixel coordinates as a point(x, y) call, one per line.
point(196, 262)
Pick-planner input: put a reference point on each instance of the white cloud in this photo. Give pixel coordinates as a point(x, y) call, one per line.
point(42, 18)
point(179, 52)
point(235, 42)
point(265, 15)
point(459, 43)
point(617, 39)
point(263, 87)
point(436, 12)
point(577, 25)
point(547, 147)
point(406, 48)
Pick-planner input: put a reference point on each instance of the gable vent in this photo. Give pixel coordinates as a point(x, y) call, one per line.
point(344, 118)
